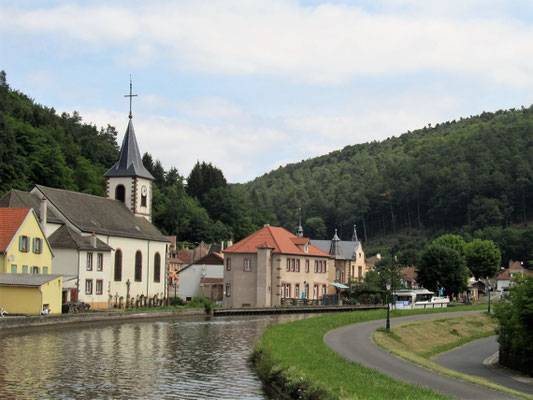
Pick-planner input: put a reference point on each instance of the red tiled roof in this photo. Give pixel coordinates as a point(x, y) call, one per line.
point(185, 255)
point(516, 267)
point(299, 240)
point(409, 274)
point(10, 221)
point(279, 239)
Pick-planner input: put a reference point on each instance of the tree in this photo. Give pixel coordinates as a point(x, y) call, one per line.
point(454, 242)
point(482, 258)
point(315, 228)
point(442, 267)
point(515, 325)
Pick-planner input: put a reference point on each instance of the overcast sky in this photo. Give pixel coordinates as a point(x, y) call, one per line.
point(252, 85)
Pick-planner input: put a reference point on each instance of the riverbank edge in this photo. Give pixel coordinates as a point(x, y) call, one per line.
point(287, 384)
point(431, 365)
point(12, 323)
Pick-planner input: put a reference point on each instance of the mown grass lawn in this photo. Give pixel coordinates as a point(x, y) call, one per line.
point(295, 357)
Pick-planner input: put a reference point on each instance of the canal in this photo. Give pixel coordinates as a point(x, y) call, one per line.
point(194, 358)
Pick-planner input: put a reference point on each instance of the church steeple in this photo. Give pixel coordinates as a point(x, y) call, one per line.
point(128, 180)
point(300, 232)
point(354, 236)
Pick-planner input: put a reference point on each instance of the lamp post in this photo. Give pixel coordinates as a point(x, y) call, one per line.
point(387, 326)
point(488, 289)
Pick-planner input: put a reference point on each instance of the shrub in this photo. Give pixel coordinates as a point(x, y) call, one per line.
point(199, 301)
point(515, 325)
point(177, 301)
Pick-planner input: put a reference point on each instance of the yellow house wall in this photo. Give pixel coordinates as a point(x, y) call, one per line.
point(21, 300)
point(30, 228)
point(52, 295)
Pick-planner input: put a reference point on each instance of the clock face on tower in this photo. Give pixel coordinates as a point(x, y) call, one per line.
point(143, 191)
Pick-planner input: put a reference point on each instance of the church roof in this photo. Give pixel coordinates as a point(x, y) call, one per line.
point(100, 215)
point(129, 161)
point(66, 238)
point(278, 239)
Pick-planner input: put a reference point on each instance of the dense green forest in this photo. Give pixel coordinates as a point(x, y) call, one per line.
point(40, 147)
point(465, 174)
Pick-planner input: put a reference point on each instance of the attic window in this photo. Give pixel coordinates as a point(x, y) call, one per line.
point(306, 248)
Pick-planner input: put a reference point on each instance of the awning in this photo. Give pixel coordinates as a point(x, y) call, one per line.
point(339, 285)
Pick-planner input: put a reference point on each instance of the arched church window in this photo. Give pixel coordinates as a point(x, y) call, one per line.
point(138, 266)
point(118, 265)
point(120, 193)
point(157, 267)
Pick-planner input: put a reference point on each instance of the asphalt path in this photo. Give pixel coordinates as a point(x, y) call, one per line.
point(354, 343)
point(469, 359)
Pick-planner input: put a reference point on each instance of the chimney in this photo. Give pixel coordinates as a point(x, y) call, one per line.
point(93, 240)
point(229, 244)
point(43, 213)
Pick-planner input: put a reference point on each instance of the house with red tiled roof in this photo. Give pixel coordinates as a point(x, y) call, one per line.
point(272, 267)
point(503, 280)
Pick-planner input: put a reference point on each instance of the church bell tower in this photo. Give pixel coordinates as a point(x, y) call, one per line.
point(128, 180)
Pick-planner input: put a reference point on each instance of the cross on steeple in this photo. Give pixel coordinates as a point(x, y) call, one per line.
point(130, 96)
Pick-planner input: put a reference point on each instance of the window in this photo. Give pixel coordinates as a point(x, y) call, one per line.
point(306, 290)
point(298, 265)
point(287, 290)
point(89, 261)
point(99, 286)
point(34, 270)
point(297, 290)
point(228, 289)
point(338, 274)
point(24, 269)
point(247, 264)
point(293, 263)
point(13, 269)
point(323, 290)
point(118, 265)
point(100, 262)
point(288, 264)
point(228, 264)
point(24, 244)
point(120, 193)
point(306, 265)
point(157, 267)
point(138, 266)
point(315, 292)
point(360, 272)
point(88, 286)
point(37, 245)
point(316, 266)
point(45, 270)
point(143, 200)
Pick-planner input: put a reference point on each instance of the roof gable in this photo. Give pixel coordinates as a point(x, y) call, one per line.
point(19, 199)
point(278, 239)
point(66, 238)
point(11, 219)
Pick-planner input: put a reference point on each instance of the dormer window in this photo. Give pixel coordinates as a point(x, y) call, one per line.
point(306, 248)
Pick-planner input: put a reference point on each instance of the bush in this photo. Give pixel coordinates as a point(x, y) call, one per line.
point(515, 325)
point(177, 301)
point(199, 301)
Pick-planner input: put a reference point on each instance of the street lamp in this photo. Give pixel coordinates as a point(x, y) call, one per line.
point(488, 289)
point(387, 326)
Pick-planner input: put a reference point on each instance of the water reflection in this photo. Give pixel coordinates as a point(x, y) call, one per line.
point(172, 359)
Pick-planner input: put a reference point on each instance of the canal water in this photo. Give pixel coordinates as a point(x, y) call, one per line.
point(194, 358)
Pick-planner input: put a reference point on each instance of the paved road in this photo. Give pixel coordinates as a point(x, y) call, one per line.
point(469, 358)
point(354, 343)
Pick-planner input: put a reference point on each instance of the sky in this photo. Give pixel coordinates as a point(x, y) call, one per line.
point(252, 85)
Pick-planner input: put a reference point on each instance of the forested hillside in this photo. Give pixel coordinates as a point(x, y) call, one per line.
point(37, 146)
point(472, 173)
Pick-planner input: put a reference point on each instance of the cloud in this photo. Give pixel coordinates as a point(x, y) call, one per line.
point(320, 45)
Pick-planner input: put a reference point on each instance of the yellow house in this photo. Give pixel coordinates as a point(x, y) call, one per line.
point(26, 283)
point(24, 248)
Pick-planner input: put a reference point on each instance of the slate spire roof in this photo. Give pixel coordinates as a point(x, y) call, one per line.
point(129, 161)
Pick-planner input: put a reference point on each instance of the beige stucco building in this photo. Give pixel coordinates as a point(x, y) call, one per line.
point(272, 267)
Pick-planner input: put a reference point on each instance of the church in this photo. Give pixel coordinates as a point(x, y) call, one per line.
point(106, 248)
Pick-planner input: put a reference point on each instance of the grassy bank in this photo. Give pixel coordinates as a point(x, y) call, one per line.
point(419, 341)
point(294, 357)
